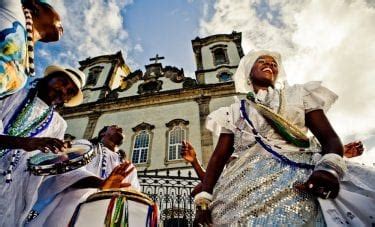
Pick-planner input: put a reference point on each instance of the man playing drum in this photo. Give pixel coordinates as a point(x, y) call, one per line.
point(63, 198)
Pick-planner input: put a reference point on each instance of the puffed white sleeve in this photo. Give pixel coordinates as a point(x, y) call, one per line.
point(223, 119)
point(317, 97)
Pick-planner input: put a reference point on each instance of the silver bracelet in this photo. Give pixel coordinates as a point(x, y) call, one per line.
point(331, 171)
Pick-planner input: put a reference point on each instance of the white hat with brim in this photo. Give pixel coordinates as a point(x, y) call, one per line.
point(77, 76)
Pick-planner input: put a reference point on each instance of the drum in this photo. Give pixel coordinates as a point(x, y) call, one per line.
point(43, 164)
point(116, 207)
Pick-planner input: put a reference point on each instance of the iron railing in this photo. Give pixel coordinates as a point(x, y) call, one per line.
point(172, 194)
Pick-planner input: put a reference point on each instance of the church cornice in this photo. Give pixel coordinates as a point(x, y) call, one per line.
point(102, 59)
point(148, 100)
point(199, 42)
point(224, 66)
point(175, 122)
point(143, 126)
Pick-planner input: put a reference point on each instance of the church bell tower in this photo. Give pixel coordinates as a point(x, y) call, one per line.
point(217, 57)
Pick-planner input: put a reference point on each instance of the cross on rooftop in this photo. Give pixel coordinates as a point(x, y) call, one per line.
point(156, 58)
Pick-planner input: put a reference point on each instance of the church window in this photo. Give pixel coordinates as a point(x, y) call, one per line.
point(219, 53)
point(176, 134)
point(141, 147)
point(142, 140)
point(94, 74)
point(225, 77)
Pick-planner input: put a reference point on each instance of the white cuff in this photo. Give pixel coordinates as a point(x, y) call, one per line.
point(332, 163)
point(202, 197)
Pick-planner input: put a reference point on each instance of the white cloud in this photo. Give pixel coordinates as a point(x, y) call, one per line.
point(331, 41)
point(138, 47)
point(91, 28)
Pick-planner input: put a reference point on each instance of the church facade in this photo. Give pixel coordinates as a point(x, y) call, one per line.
point(159, 106)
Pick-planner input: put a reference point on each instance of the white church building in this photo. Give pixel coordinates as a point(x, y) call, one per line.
point(160, 106)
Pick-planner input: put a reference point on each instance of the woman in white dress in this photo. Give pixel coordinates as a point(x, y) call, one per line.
point(278, 172)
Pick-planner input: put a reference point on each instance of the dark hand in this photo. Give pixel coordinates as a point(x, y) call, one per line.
point(44, 144)
point(196, 189)
point(353, 149)
point(321, 184)
point(67, 144)
point(202, 217)
point(187, 152)
point(117, 176)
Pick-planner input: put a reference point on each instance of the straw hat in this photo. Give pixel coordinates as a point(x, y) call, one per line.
point(77, 76)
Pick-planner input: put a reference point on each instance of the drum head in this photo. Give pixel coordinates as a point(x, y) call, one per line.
point(74, 157)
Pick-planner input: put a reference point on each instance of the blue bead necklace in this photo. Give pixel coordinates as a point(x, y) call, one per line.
point(22, 125)
point(267, 147)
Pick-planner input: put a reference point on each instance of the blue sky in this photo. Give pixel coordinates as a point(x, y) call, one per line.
point(331, 41)
point(163, 27)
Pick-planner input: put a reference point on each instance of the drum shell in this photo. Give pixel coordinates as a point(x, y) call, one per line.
point(93, 211)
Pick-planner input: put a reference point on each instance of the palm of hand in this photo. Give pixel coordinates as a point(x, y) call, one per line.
point(353, 149)
point(117, 176)
point(188, 152)
point(189, 156)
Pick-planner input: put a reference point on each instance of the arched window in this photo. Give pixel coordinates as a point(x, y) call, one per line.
point(94, 74)
point(142, 144)
point(224, 77)
point(219, 54)
point(176, 134)
point(141, 147)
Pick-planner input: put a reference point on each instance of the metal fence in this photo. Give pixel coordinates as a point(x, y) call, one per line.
point(172, 194)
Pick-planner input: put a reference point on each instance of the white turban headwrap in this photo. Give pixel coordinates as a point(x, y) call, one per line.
point(241, 78)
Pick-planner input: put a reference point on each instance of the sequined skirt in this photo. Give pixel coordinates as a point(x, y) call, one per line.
point(257, 189)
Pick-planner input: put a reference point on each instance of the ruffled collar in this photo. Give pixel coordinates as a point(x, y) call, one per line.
point(266, 96)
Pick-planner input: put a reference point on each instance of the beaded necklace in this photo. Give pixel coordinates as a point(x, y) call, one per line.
point(267, 147)
point(286, 129)
point(30, 68)
point(103, 166)
point(21, 124)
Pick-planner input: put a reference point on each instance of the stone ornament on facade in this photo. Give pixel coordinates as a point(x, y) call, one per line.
point(143, 126)
point(150, 86)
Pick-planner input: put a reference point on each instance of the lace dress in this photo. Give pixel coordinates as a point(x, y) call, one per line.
point(256, 188)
